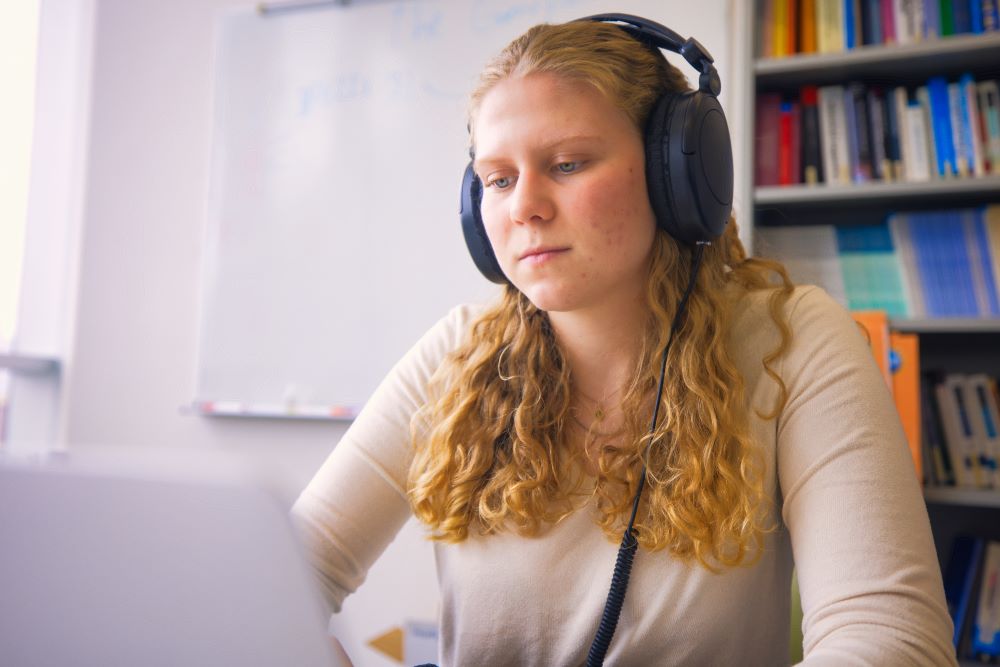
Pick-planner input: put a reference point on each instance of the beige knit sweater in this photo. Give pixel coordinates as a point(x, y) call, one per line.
point(846, 499)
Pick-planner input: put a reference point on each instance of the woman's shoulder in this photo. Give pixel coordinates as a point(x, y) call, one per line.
point(753, 307)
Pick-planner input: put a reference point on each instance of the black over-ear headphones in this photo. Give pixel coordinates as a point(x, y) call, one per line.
point(689, 156)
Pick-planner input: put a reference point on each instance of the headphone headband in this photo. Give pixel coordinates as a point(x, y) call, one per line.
point(660, 36)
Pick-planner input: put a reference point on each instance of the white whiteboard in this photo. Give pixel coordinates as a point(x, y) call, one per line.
point(339, 140)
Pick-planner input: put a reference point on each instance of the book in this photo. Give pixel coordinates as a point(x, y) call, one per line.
point(985, 424)
point(937, 469)
point(947, 18)
point(888, 21)
point(988, 93)
point(991, 229)
point(932, 19)
point(979, 422)
point(829, 26)
point(870, 267)
point(904, 365)
point(779, 29)
point(909, 18)
point(807, 26)
point(986, 623)
point(960, 576)
point(881, 167)
point(971, 125)
point(871, 22)
point(957, 431)
point(902, 241)
point(937, 88)
point(767, 122)
point(924, 99)
point(811, 158)
point(916, 149)
point(856, 107)
point(789, 133)
point(833, 135)
point(900, 102)
point(981, 263)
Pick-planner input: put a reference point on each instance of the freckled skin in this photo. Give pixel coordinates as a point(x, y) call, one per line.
point(598, 215)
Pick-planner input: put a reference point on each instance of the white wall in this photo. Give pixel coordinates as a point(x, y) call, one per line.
point(136, 331)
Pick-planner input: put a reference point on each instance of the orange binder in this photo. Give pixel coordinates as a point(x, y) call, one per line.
point(875, 325)
point(906, 389)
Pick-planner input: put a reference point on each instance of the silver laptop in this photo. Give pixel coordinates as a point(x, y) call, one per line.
point(109, 563)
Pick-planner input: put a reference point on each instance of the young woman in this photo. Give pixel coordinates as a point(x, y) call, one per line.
point(519, 432)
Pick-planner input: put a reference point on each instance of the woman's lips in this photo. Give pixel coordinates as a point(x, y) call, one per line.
point(541, 255)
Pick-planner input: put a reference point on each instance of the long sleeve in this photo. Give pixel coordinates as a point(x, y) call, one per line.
point(356, 503)
point(870, 582)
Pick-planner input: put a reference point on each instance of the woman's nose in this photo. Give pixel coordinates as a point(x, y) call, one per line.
point(532, 200)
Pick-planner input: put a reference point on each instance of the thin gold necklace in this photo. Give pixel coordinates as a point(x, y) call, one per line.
point(599, 413)
point(591, 430)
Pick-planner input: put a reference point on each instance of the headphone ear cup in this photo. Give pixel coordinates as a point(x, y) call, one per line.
point(473, 230)
point(657, 170)
point(689, 169)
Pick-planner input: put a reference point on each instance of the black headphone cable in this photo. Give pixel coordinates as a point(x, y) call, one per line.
point(629, 545)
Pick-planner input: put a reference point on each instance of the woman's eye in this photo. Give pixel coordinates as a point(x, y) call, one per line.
point(567, 167)
point(500, 182)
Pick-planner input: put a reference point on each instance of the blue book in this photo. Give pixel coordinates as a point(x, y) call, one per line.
point(850, 38)
point(871, 271)
point(963, 16)
point(944, 142)
point(924, 227)
point(961, 286)
point(872, 23)
point(976, 17)
point(932, 18)
point(991, 15)
point(960, 579)
point(985, 633)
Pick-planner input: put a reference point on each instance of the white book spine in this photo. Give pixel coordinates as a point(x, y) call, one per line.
point(991, 418)
point(959, 448)
point(919, 167)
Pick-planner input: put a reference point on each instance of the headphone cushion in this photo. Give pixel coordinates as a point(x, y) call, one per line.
point(474, 231)
point(657, 140)
point(689, 166)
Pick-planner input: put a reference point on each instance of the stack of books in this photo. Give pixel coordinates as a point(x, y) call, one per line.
point(857, 133)
point(960, 443)
point(972, 589)
point(915, 265)
point(788, 27)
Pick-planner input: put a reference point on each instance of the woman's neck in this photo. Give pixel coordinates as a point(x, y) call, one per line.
point(600, 347)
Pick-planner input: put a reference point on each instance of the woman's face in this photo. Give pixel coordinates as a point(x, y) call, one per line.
point(564, 200)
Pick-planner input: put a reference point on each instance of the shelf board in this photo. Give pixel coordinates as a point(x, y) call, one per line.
point(863, 194)
point(947, 325)
point(893, 63)
point(967, 497)
point(28, 364)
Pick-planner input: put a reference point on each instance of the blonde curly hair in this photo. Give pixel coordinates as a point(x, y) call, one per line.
point(490, 450)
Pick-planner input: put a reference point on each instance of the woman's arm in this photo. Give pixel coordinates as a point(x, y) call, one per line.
point(868, 573)
point(356, 503)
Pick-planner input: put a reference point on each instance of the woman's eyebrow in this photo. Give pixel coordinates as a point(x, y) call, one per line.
point(486, 160)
